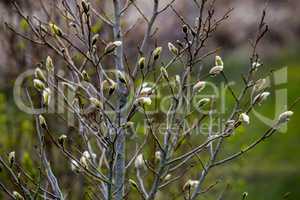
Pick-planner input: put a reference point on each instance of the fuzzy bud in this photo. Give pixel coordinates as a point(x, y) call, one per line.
point(38, 74)
point(259, 85)
point(158, 155)
point(167, 177)
point(55, 29)
point(200, 85)
point(49, 64)
point(46, 96)
point(62, 139)
point(17, 195)
point(164, 73)
point(216, 70)
point(258, 99)
point(11, 158)
point(157, 52)
point(38, 84)
point(219, 61)
point(110, 47)
point(84, 162)
point(95, 39)
point(190, 184)
point(42, 121)
point(144, 101)
point(255, 65)
point(96, 102)
point(139, 162)
point(244, 118)
point(172, 48)
point(141, 62)
point(74, 165)
point(285, 117)
point(85, 75)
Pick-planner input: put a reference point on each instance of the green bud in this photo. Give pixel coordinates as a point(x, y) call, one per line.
point(38, 73)
point(17, 196)
point(219, 61)
point(49, 64)
point(38, 84)
point(96, 102)
point(164, 73)
point(55, 29)
point(172, 48)
point(46, 96)
point(85, 75)
point(42, 121)
point(62, 139)
point(157, 52)
point(11, 158)
point(142, 62)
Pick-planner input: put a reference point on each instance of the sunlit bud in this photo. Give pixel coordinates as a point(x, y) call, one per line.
point(112, 87)
point(219, 61)
point(185, 28)
point(85, 75)
point(146, 90)
point(144, 101)
point(46, 96)
point(190, 184)
point(84, 162)
point(177, 79)
point(259, 85)
point(244, 118)
point(285, 117)
point(38, 84)
point(156, 53)
point(158, 155)
point(62, 139)
point(11, 158)
point(203, 102)
point(258, 99)
point(139, 162)
point(85, 6)
point(121, 77)
point(164, 73)
point(200, 85)
point(168, 177)
point(74, 165)
point(133, 183)
point(55, 29)
point(49, 64)
point(255, 65)
point(95, 38)
point(245, 195)
point(42, 121)
point(110, 47)
point(17, 195)
point(88, 155)
point(38, 74)
point(96, 102)
point(172, 48)
point(142, 62)
point(216, 70)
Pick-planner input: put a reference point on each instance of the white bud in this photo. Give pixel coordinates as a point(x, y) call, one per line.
point(11, 158)
point(110, 47)
point(259, 85)
point(261, 97)
point(38, 74)
point(219, 61)
point(17, 195)
point(42, 121)
point(200, 85)
point(164, 73)
point(216, 70)
point(168, 177)
point(84, 162)
point(144, 101)
point(141, 62)
point(190, 184)
point(158, 155)
point(244, 118)
point(46, 96)
point(38, 84)
point(146, 91)
point(256, 65)
point(74, 165)
point(285, 117)
point(156, 53)
point(139, 162)
point(172, 48)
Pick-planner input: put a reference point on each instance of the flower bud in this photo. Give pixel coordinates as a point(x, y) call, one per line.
point(190, 184)
point(55, 29)
point(17, 195)
point(74, 165)
point(285, 117)
point(38, 84)
point(38, 74)
point(164, 73)
point(167, 177)
point(133, 183)
point(255, 65)
point(88, 156)
point(94, 39)
point(185, 28)
point(157, 52)
point(144, 101)
point(172, 48)
point(42, 121)
point(141, 62)
point(244, 118)
point(85, 75)
point(96, 102)
point(200, 85)
point(46, 96)
point(145, 91)
point(110, 47)
point(216, 70)
point(258, 99)
point(219, 61)
point(139, 162)
point(158, 155)
point(62, 139)
point(259, 85)
point(121, 77)
point(84, 162)
point(11, 158)
point(203, 102)
point(49, 64)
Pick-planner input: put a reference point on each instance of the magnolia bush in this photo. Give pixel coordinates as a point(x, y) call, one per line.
point(134, 114)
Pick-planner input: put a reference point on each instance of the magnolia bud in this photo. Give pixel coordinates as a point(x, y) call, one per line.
point(49, 64)
point(46, 96)
point(285, 117)
point(164, 73)
point(38, 84)
point(216, 70)
point(96, 102)
point(158, 155)
point(17, 195)
point(110, 47)
point(11, 158)
point(38, 74)
point(203, 102)
point(244, 118)
point(55, 29)
point(157, 52)
point(85, 75)
point(190, 184)
point(172, 48)
point(62, 139)
point(144, 101)
point(94, 39)
point(141, 62)
point(219, 61)
point(200, 85)
point(42, 121)
point(258, 99)
point(139, 162)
